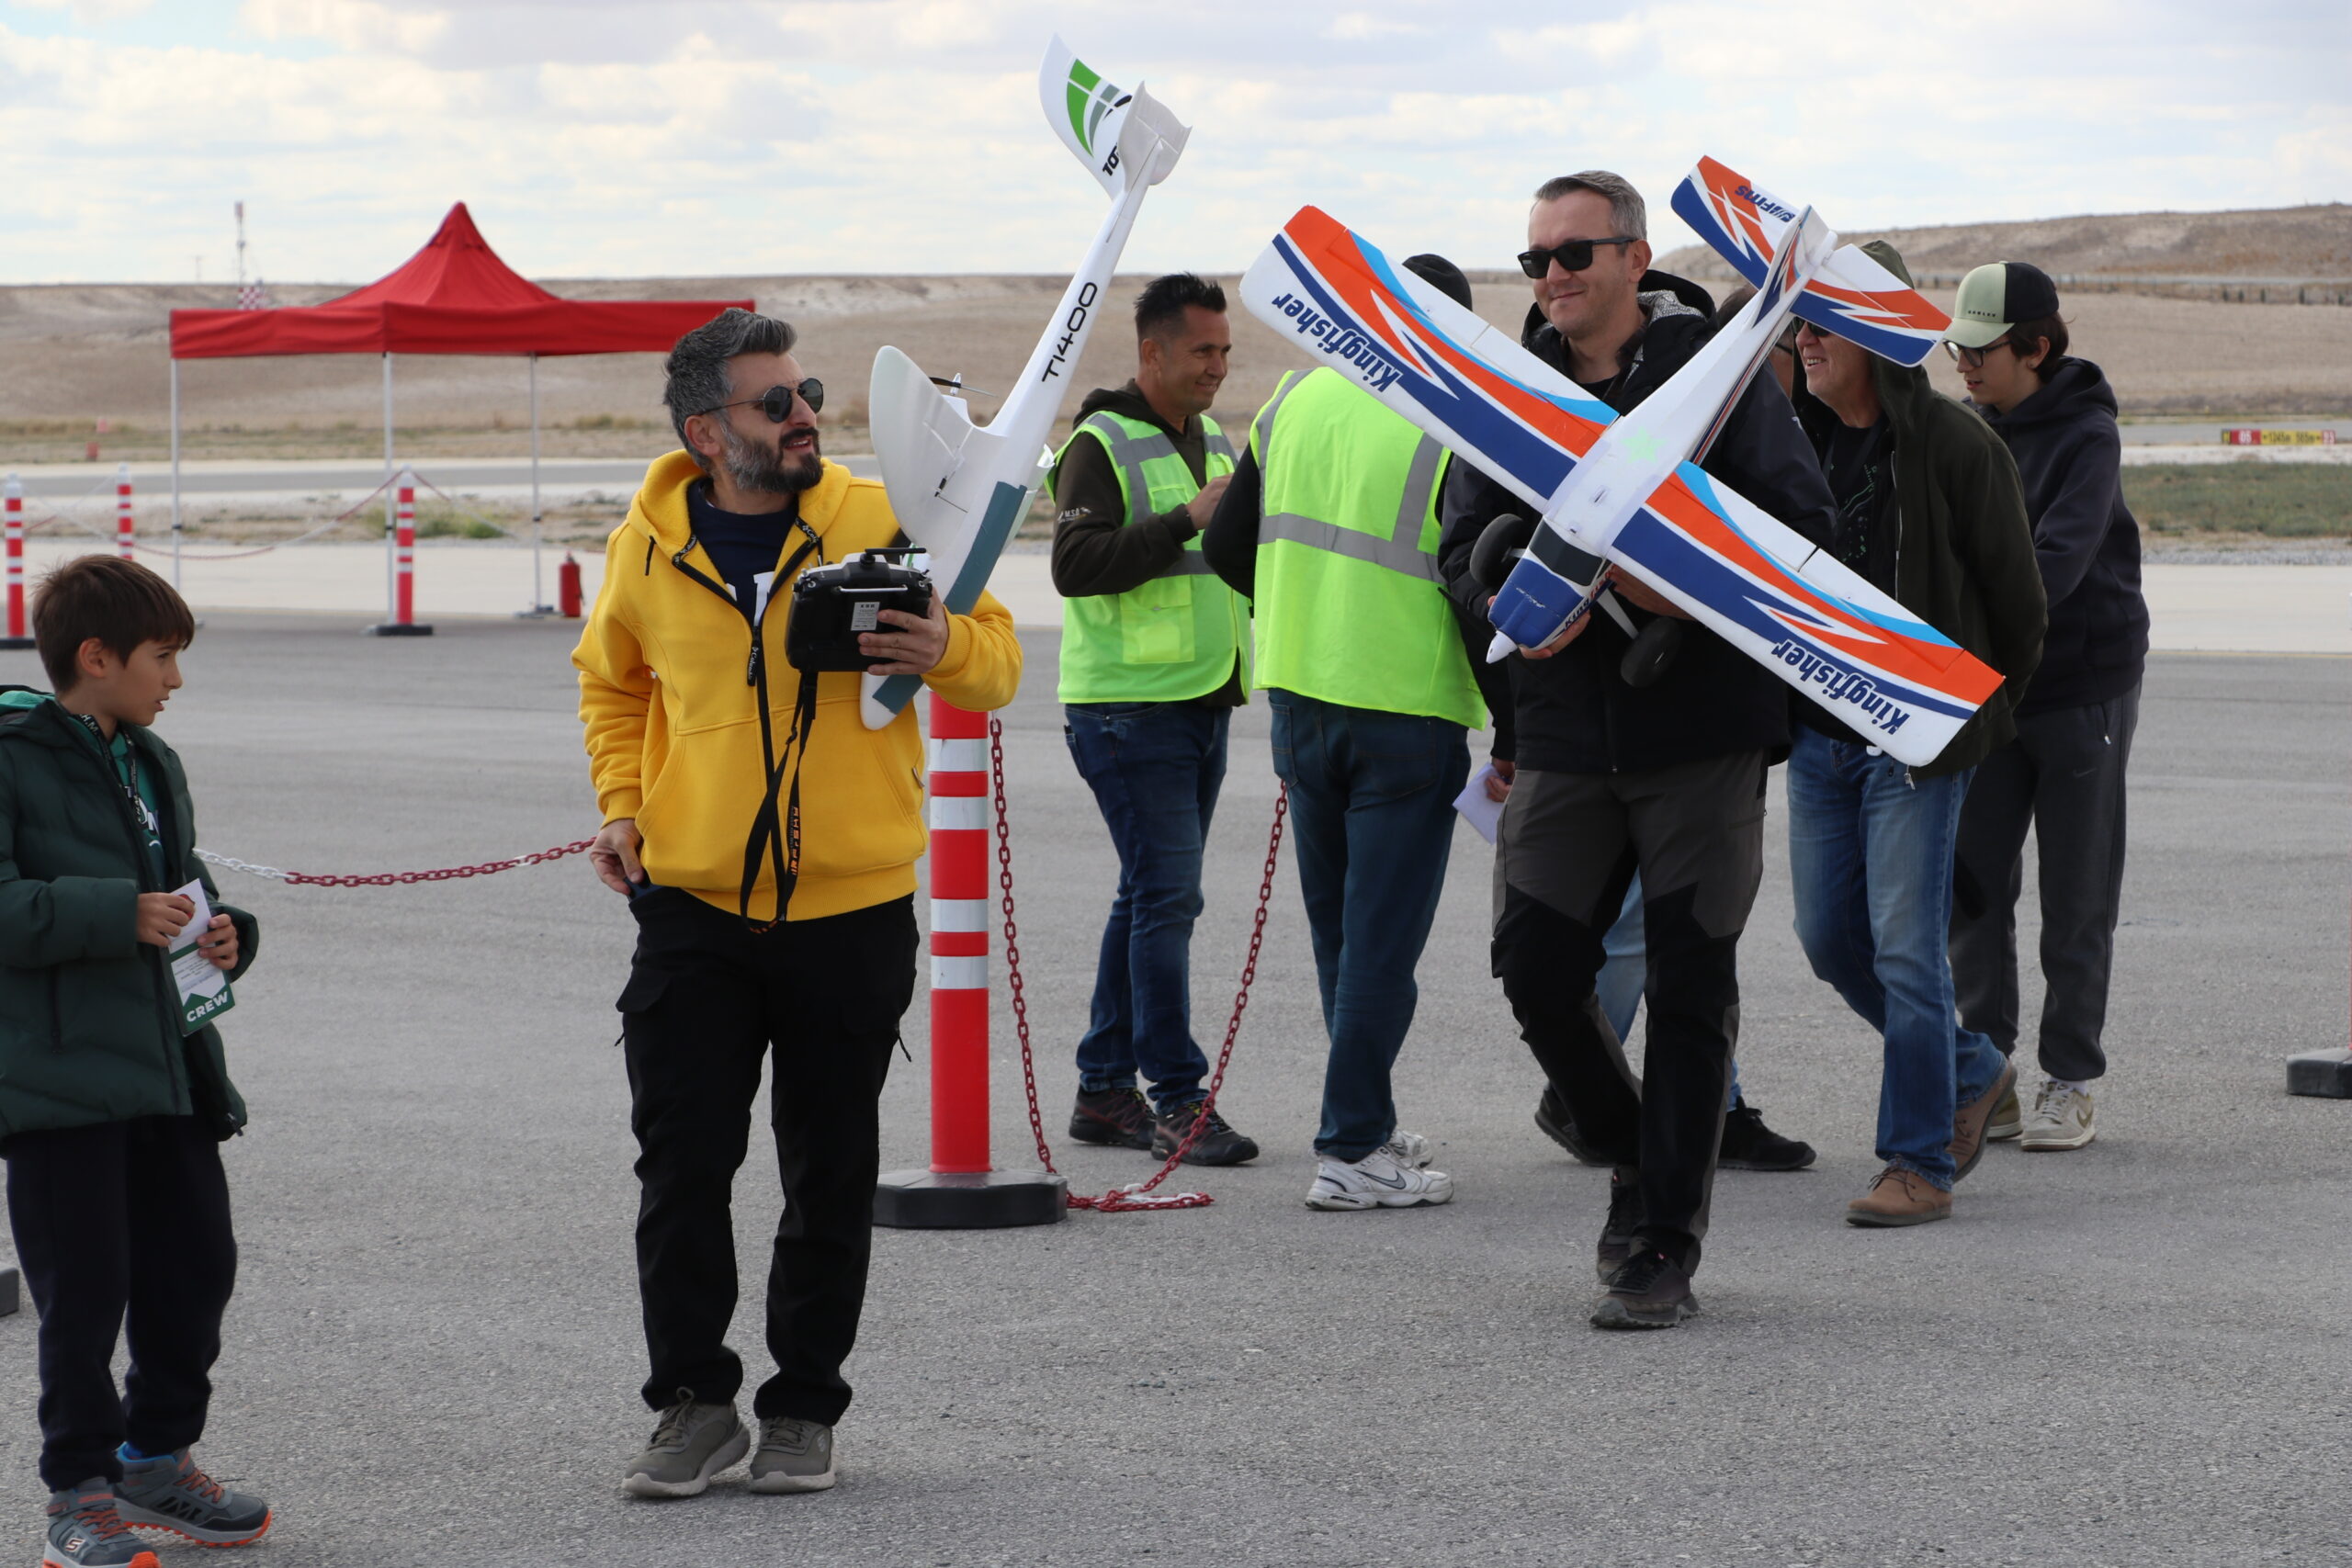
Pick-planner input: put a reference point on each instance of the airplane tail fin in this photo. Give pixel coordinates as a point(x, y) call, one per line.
point(919, 437)
point(1856, 297)
point(1851, 295)
point(1122, 137)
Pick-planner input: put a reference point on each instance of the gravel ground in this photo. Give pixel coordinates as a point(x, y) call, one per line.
point(2116, 1357)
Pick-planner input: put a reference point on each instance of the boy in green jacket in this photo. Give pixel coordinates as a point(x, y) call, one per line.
point(112, 1108)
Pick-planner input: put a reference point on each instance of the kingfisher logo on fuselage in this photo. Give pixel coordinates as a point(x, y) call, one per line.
point(1342, 341)
point(1839, 684)
point(1765, 203)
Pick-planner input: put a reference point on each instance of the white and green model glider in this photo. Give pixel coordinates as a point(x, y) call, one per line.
point(960, 490)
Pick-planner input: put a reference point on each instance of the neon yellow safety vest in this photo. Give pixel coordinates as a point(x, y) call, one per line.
point(1177, 636)
point(1351, 608)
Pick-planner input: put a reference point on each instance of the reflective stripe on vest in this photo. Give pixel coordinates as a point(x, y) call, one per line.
point(1180, 634)
point(1351, 606)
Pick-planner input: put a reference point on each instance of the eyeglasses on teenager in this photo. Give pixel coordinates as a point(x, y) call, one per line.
point(1971, 358)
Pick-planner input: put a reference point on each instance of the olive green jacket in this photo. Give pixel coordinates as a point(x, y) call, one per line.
point(89, 1018)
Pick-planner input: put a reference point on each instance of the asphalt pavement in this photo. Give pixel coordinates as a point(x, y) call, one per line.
point(2129, 1354)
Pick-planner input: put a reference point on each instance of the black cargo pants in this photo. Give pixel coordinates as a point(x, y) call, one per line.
point(708, 1000)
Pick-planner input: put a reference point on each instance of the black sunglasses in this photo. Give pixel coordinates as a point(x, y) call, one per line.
point(777, 402)
point(1573, 256)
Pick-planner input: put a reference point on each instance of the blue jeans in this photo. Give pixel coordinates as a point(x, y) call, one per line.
point(1620, 986)
point(1371, 812)
point(1155, 769)
point(1870, 858)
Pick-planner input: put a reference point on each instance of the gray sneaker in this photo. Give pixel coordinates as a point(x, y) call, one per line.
point(2061, 1119)
point(794, 1456)
point(84, 1532)
point(692, 1443)
point(171, 1494)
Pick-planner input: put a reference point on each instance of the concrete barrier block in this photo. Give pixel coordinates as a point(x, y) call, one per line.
point(2326, 1074)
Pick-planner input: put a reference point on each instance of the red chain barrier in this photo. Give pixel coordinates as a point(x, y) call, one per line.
point(1136, 1195)
point(391, 878)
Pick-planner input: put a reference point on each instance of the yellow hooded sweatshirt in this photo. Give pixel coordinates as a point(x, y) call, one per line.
point(674, 733)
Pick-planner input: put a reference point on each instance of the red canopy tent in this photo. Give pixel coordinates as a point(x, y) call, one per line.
point(453, 296)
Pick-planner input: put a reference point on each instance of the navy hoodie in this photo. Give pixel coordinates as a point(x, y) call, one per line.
point(2086, 540)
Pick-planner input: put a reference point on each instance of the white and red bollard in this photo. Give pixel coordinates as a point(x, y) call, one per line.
point(961, 1190)
point(12, 516)
point(124, 530)
point(404, 612)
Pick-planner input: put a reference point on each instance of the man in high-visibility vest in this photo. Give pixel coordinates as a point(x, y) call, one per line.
point(1155, 659)
point(1331, 525)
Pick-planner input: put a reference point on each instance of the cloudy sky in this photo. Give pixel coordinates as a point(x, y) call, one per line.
point(613, 137)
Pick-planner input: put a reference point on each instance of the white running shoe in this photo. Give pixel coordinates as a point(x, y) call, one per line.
point(1377, 1182)
point(2061, 1119)
point(1408, 1148)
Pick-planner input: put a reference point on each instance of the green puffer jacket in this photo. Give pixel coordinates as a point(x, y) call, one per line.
point(89, 1018)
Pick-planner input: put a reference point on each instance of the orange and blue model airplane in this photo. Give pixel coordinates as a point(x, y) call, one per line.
point(1627, 492)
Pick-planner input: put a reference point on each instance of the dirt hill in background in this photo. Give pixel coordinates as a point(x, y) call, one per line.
point(71, 354)
point(2291, 243)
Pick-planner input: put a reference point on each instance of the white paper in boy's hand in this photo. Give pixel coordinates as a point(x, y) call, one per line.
point(204, 990)
point(1476, 808)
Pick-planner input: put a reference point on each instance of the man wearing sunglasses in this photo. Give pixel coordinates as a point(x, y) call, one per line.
point(681, 654)
point(1611, 779)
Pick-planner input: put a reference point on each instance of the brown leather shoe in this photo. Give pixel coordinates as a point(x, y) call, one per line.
point(1968, 1123)
point(1899, 1197)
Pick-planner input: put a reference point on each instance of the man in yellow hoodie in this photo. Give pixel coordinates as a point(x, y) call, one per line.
point(678, 657)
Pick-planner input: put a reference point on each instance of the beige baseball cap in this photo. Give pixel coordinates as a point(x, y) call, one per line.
point(1997, 297)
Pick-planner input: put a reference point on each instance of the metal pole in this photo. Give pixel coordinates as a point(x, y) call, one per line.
point(539, 592)
point(176, 473)
point(392, 590)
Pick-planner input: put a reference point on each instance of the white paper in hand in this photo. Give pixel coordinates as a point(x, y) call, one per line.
point(204, 990)
point(1476, 808)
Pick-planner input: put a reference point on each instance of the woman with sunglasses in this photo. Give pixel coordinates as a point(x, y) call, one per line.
point(2063, 773)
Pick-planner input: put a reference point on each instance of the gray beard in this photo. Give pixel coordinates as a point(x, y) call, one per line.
point(762, 471)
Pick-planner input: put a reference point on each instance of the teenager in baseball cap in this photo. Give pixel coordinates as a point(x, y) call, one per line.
point(2063, 776)
point(1998, 297)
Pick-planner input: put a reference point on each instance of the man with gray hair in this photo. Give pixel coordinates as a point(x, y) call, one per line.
point(773, 901)
point(1660, 775)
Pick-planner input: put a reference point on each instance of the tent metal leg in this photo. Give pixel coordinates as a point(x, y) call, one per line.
point(176, 473)
point(392, 585)
point(540, 608)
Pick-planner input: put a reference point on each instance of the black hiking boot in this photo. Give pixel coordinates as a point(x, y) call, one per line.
point(1217, 1145)
point(1748, 1145)
point(1617, 1231)
point(1117, 1118)
point(1648, 1291)
point(1552, 1116)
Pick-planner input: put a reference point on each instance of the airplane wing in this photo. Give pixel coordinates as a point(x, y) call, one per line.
point(1791, 606)
point(1750, 579)
point(1851, 295)
point(1445, 368)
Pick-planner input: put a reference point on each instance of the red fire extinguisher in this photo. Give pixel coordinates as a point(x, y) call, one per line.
point(567, 587)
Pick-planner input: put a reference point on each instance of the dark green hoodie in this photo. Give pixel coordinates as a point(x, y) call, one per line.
point(1964, 552)
point(89, 1018)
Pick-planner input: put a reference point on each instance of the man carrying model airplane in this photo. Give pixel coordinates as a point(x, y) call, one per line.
point(1665, 777)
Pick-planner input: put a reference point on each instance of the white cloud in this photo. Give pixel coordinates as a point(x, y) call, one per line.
point(1355, 25)
point(92, 13)
point(701, 136)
